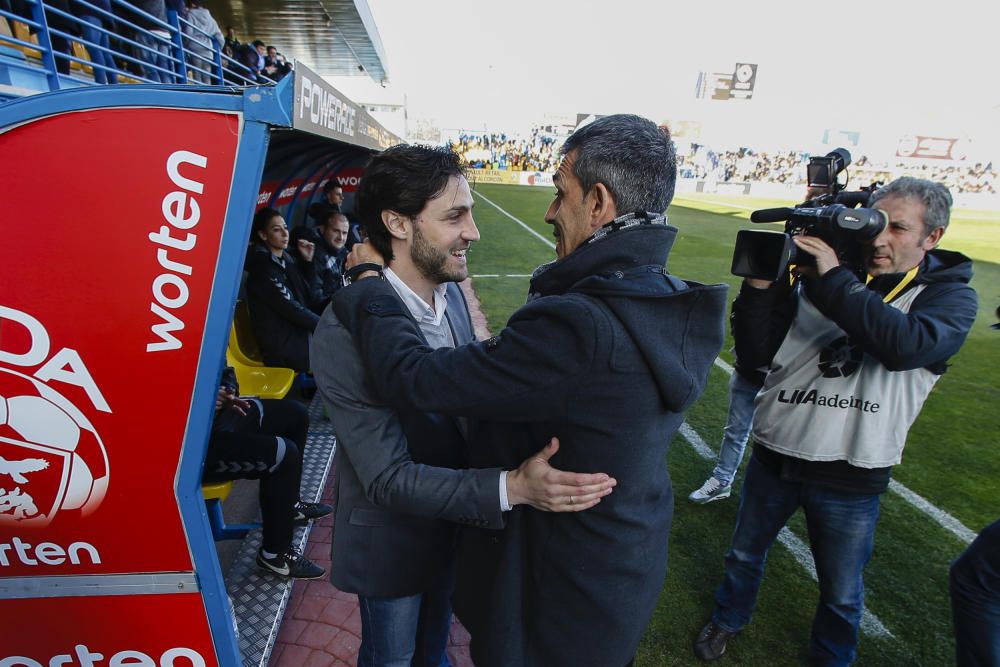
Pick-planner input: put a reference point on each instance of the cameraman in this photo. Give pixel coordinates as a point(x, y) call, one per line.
point(850, 366)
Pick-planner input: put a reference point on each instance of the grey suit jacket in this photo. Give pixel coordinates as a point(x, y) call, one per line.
point(398, 488)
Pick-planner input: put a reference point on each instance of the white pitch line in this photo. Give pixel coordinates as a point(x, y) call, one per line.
point(517, 220)
point(950, 523)
point(940, 517)
point(870, 624)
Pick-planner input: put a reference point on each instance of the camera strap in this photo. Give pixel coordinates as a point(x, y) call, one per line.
point(907, 279)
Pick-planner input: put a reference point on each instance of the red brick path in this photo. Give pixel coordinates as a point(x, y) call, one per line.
point(321, 627)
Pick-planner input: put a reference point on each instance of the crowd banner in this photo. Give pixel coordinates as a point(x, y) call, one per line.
point(493, 176)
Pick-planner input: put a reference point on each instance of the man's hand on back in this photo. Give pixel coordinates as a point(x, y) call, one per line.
point(538, 484)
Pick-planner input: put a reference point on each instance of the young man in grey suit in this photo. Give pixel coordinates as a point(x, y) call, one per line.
point(400, 477)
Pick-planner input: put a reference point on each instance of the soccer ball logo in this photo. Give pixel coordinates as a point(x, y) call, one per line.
point(51, 458)
point(840, 358)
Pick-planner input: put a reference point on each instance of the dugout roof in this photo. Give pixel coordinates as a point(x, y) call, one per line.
point(334, 37)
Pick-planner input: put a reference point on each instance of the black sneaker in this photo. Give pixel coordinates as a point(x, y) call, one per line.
point(308, 511)
point(290, 564)
point(711, 642)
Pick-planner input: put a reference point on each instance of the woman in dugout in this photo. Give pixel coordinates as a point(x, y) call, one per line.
point(278, 293)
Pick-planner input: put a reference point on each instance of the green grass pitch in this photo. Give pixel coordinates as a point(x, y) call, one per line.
point(950, 458)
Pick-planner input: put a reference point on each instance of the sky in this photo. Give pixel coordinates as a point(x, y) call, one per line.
point(879, 67)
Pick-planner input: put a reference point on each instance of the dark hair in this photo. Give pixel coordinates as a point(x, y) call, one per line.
point(401, 179)
point(255, 43)
point(260, 221)
point(331, 184)
point(631, 156)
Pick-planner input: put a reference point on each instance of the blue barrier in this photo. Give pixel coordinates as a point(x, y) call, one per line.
point(124, 45)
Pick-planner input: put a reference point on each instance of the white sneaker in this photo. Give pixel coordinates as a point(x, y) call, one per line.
point(711, 490)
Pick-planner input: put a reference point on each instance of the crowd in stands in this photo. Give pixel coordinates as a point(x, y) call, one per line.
point(133, 37)
point(537, 152)
point(789, 167)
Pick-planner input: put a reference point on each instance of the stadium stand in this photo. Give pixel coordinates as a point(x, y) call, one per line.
point(52, 45)
point(538, 151)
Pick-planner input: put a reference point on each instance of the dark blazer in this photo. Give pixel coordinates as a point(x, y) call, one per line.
point(398, 481)
point(607, 354)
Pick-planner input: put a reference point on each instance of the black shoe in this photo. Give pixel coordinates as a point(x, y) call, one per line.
point(308, 511)
point(290, 564)
point(711, 642)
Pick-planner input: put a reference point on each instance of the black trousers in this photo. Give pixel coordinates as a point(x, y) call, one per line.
point(266, 444)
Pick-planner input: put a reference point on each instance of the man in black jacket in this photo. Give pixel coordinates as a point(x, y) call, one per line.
point(264, 439)
point(850, 364)
point(606, 355)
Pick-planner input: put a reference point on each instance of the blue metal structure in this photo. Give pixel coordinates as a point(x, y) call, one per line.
point(126, 44)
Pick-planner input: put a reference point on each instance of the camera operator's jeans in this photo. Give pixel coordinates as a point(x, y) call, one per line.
point(841, 535)
point(975, 600)
point(737, 430)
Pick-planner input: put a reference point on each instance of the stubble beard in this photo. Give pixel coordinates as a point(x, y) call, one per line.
point(432, 262)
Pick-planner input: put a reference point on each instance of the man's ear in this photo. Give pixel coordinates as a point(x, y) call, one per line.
point(933, 238)
point(601, 206)
point(399, 225)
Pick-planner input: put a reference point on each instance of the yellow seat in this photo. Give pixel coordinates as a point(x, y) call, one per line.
point(241, 339)
point(262, 381)
point(80, 51)
point(217, 490)
point(23, 33)
point(214, 494)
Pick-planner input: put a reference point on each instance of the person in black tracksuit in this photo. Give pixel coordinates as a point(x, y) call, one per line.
point(264, 439)
point(279, 293)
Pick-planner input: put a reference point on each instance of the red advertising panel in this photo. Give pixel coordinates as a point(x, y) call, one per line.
point(288, 192)
point(108, 259)
point(349, 179)
point(267, 191)
point(157, 630)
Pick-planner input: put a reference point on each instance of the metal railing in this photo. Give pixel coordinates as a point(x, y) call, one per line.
point(126, 44)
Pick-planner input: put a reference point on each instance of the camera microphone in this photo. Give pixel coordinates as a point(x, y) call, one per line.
point(843, 155)
point(771, 215)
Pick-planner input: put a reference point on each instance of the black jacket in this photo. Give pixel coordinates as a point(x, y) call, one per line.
point(607, 354)
point(925, 337)
point(278, 298)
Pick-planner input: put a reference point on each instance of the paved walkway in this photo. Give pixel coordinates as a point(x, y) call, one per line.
point(322, 626)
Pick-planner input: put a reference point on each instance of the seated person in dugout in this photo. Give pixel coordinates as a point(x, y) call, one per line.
point(278, 294)
point(264, 439)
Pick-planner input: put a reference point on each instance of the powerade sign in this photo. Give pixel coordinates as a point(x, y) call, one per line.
point(322, 109)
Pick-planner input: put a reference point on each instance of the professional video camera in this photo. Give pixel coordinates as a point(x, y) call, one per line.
point(831, 216)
